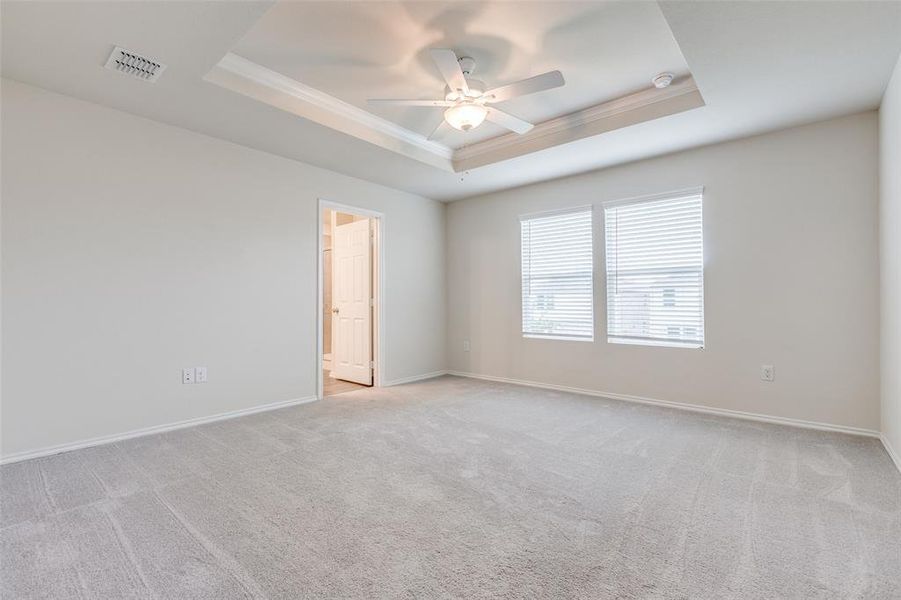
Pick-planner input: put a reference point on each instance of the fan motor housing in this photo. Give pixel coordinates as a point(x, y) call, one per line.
point(467, 65)
point(476, 90)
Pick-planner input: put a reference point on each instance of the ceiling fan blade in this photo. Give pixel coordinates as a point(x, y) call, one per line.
point(411, 102)
point(447, 63)
point(499, 117)
point(539, 83)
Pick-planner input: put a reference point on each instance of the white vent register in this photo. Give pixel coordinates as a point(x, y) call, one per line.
point(135, 65)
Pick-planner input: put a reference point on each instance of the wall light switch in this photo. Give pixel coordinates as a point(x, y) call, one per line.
point(767, 372)
point(466, 346)
point(187, 375)
point(200, 375)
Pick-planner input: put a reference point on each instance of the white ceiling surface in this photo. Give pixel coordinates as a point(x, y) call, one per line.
point(760, 66)
point(355, 51)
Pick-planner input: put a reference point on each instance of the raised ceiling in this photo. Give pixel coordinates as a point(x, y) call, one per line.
point(760, 66)
point(360, 50)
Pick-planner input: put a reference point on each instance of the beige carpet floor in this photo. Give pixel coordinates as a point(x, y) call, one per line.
point(455, 488)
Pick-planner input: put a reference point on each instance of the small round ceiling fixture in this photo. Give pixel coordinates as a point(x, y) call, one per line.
point(662, 80)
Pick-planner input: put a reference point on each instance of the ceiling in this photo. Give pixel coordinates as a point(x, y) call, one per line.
point(604, 49)
point(760, 66)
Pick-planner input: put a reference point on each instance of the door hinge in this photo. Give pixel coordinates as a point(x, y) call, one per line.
point(371, 364)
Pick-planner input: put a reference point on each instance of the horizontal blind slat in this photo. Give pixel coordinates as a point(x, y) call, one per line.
point(557, 275)
point(655, 280)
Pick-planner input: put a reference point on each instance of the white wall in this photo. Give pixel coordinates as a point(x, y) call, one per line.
point(131, 249)
point(791, 279)
point(890, 259)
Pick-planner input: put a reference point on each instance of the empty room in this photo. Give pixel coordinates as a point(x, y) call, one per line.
point(450, 299)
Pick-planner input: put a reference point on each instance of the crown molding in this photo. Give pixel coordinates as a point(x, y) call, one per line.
point(325, 109)
point(246, 77)
point(628, 110)
point(581, 118)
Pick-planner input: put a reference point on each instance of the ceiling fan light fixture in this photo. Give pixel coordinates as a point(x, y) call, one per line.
point(465, 99)
point(465, 116)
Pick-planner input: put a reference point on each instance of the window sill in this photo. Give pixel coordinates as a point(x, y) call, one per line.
point(661, 343)
point(562, 338)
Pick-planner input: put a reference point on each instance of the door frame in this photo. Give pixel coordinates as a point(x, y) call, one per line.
point(378, 288)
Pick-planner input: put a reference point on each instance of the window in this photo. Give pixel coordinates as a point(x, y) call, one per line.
point(655, 270)
point(557, 281)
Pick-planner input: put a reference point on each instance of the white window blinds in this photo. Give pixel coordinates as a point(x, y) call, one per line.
point(655, 270)
point(557, 280)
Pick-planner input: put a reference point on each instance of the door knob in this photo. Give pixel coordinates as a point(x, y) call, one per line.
point(335, 310)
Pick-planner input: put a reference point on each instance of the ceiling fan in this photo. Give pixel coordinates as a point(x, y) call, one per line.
point(468, 103)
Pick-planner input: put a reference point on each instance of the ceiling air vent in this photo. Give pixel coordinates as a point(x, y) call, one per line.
point(132, 63)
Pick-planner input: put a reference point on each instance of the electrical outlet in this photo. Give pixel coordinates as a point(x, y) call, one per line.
point(466, 346)
point(200, 375)
point(767, 372)
point(187, 375)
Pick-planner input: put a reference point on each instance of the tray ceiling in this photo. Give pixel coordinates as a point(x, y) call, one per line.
point(354, 51)
point(761, 66)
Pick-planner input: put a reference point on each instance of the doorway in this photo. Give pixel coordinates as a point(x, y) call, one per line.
point(349, 298)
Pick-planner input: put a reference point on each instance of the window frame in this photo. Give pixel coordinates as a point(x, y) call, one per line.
point(653, 342)
point(589, 208)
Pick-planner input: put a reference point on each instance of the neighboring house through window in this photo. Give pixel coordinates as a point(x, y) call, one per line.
point(557, 275)
point(655, 270)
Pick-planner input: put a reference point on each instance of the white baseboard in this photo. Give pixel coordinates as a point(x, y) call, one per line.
point(431, 375)
point(723, 412)
point(20, 456)
point(109, 439)
point(896, 458)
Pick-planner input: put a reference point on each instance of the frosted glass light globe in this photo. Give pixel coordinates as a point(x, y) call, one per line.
point(465, 116)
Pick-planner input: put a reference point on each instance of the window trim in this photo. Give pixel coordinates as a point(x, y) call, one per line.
point(657, 342)
point(554, 212)
point(637, 341)
point(559, 338)
point(590, 209)
point(673, 195)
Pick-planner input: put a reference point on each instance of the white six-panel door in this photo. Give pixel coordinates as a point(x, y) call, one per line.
point(351, 293)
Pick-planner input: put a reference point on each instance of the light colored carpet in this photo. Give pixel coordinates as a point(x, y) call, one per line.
point(455, 488)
